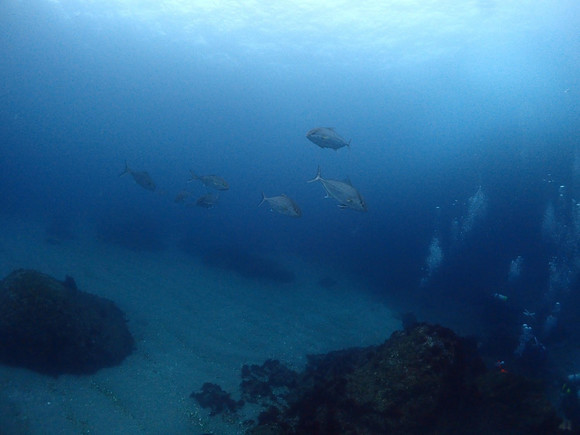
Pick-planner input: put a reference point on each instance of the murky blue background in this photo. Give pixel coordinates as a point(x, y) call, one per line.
point(463, 116)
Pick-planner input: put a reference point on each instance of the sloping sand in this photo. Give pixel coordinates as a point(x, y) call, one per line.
point(192, 324)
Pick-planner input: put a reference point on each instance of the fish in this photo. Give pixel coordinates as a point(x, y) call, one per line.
point(343, 192)
point(207, 201)
point(212, 181)
point(326, 137)
point(142, 178)
point(181, 197)
point(282, 204)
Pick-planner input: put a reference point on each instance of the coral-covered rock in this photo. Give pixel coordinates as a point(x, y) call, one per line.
point(424, 380)
point(52, 327)
point(217, 400)
point(406, 385)
point(264, 384)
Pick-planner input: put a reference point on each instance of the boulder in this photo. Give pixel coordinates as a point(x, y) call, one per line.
point(52, 327)
point(423, 380)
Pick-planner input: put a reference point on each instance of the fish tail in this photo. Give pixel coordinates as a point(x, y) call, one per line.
point(263, 199)
point(318, 177)
point(126, 171)
point(193, 176)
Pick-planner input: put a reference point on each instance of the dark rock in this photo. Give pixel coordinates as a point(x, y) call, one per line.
point(425, 380)
point(270, 416)
point(212, 396)
point(256, 391)
point(262, 384)
point(511, 401)
point(51, 327)
point(70, 283)
point(570, 403)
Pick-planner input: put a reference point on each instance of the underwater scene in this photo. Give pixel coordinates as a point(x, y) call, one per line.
point(291, 217)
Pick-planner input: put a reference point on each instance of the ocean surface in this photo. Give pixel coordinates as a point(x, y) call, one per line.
point(464, 125)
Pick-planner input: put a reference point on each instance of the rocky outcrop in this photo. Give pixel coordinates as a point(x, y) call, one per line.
point(52, 327)
point(424, 380)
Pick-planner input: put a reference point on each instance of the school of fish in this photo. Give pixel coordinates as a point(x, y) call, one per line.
point(347, 196)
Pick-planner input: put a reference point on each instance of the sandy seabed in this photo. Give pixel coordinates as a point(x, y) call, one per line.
point(192, 324)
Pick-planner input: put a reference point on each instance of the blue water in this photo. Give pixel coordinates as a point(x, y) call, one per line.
point(439, 99)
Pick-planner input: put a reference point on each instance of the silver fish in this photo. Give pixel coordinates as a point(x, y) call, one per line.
point(326, 137)
point(212, 181)
point(343, 192)
point(282, 204)
point(207, 201)
point(143, 179)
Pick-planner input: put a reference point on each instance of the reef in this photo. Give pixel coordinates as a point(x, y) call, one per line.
point(217, 400)
point(423, 380)
point(52, 327)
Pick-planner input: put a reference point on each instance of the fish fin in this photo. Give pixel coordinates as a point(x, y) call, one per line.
point(348, 143)
point(318, 177)
point(263, 199)
point(126, 171)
